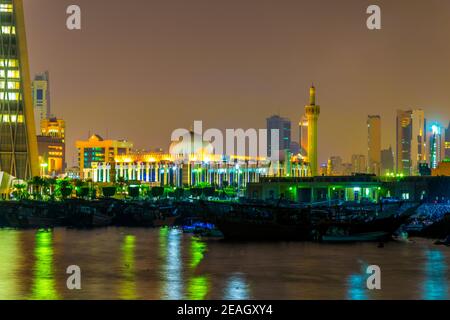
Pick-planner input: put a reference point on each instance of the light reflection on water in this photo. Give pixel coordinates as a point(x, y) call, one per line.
point(435, 286)
point(167, 264)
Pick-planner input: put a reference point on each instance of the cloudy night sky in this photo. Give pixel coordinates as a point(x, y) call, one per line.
point(139, 69)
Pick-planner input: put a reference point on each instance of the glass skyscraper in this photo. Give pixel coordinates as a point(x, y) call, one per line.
point(18, 146)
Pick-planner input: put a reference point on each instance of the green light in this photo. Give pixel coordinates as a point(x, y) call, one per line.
point(44, 278)
point(10, 256)
point(128, 287)
point(198, 288)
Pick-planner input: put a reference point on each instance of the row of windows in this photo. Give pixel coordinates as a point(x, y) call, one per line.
point(6, 8)
point(9, 96)
point(11, 85)
point(8, 30)
point(7, 118)
point(11, 74)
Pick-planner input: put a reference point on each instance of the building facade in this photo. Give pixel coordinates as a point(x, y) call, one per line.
point(436, 142)
point(411, 141)
point(447, 142)
point(18, 144)
point(52, 147)
point(97, 150)
point(303, 136)
point(359, 163)
point(40, 89)
point(387, 161)
point(374, 145)
point(283, 125)
point(191, 169)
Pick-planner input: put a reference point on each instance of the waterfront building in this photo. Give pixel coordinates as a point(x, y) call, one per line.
point(188, 164)
point(52, 147)
point(387, 161)
point(374, 145)
point(303, 137)
point(350, 188)
point(359, 163)
point(97, 150)
point(18, 146)
point(312, 114)
point(436, 141)
point(283, 125)
point(411, 141)
point(40, 89)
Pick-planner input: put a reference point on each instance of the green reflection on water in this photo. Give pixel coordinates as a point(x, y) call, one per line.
point(9, 261)
point(128, 286)
point(198, 286)
point(44, 277)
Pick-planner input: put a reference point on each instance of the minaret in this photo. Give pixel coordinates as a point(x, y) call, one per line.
point(312, 114)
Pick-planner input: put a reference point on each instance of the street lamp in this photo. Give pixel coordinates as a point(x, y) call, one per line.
point(44, 166)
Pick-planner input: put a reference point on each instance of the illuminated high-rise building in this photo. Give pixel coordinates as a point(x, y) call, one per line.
point(374, 144)
point(447, 142)
point(436, 141)
point(335, 166)
point(18, 146)
point(40, 89)
point(283, 125)
point(303, 136)
point(312, 114)
point(411, 141)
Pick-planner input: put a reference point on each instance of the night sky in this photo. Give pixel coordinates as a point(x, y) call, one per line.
point(139, 69)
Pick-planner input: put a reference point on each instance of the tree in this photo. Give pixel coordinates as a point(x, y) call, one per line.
point(157, 192)
point(63, 188)
point(36, 184)
point(20, 191)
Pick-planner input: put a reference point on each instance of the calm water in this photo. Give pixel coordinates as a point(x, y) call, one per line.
point(120, 263)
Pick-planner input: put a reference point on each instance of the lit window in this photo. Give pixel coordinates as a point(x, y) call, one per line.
point(14, 74)
point(6, 8)
point(9, 62)
point(8, 30)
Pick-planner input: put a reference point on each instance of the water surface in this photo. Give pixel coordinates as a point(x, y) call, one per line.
point(122, 263)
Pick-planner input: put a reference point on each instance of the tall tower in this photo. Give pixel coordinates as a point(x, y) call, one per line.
point(18, 145)
point(312, 112)
point(40, 90)
point(374, 144)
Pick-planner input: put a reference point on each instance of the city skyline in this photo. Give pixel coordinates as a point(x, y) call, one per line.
point(191, 71)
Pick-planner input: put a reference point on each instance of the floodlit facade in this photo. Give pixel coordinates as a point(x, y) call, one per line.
point(303, 136)
point(52, 147)
point(18, 145)
point(188, 165)
point(97, 150)
point(312, 112)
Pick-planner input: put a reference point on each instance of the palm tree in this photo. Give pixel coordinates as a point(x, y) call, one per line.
point(63, 188)
point(36, 184)
point(20, 191)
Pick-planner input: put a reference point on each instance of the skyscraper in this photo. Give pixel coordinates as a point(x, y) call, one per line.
point(436, 142)
point(41, 97)
point(283, 125)
point(359, 163)
point(447, 142)
point(303, 136)
point(374, 144)
point(18, 146)
point(387, 161)
point(335, 166)
point(312, 114)
point(411, 141)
